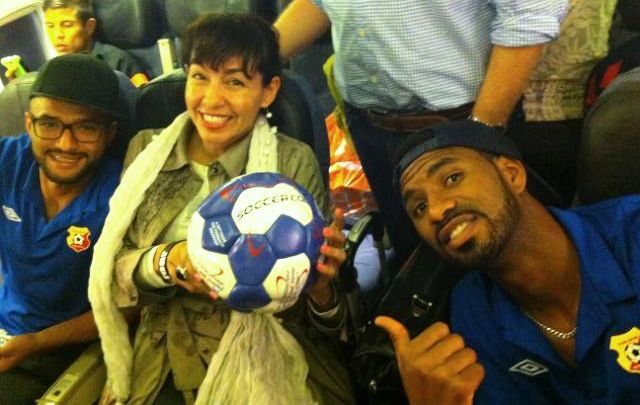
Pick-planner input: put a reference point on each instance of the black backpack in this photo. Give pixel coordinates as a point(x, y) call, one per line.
point(417, 296)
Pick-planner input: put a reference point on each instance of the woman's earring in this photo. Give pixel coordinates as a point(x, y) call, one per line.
point(268, 114)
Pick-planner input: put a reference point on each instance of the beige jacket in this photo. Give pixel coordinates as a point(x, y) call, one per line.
point(179, 332)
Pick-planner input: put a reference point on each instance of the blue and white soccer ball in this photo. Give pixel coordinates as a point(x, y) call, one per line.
point(256, 240)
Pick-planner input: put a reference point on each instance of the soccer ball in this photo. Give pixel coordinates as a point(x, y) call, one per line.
point(256, 240)
point(632, 351)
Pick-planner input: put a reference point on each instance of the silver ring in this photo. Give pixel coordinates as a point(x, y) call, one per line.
point(181, 273)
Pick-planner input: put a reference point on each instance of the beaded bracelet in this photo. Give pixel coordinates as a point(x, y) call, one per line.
point(162, 263)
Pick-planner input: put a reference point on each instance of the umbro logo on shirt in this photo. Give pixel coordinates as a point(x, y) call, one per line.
point(11, 214)
point(529, 368)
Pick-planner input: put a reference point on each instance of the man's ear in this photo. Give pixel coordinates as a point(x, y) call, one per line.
point(28, 123)
point(513, 172)
point(90, 27)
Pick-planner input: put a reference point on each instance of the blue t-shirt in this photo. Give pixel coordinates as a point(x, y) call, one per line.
point(45, 264)
point(520, 363)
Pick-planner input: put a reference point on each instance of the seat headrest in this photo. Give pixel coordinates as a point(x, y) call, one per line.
point(129, 23)
point(14, 102)
point(630, 13)
point(161, 100)
point(180, 13)
point(608, 163)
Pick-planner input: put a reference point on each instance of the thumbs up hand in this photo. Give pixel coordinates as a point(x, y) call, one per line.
point(436, 367)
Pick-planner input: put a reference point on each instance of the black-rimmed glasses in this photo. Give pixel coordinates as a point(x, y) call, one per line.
point(52, 129)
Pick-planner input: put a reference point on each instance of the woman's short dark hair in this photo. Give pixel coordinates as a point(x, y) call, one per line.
point(213, 39)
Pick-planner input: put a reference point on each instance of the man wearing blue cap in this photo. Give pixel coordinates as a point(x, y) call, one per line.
point(553, 315)
point(55, 184)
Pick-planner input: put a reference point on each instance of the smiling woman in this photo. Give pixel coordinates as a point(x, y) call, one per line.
point(233, 74)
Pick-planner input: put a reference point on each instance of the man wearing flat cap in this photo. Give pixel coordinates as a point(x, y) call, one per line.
point(553, 313)
point(55, 183)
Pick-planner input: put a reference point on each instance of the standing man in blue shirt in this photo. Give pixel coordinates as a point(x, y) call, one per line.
point(553, 315)
point(403, 65)
point(55, 183)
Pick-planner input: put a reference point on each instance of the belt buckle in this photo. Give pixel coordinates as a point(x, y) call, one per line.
point(378, 112)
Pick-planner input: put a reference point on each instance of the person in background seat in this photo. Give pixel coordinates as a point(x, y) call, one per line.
point(71, 26)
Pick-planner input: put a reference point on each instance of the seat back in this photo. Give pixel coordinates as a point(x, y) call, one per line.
point(180, 13)
point(619, 60)
point(295, 110)
point(630, 13)
point(135, 26)
point(14, 102)
point(608, 159)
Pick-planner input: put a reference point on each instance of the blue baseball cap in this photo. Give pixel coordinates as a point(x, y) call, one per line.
point(473, 135)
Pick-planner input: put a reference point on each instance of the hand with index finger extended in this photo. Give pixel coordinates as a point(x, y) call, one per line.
point(436, 367)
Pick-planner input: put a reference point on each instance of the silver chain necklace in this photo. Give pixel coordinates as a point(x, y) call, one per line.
point(553, 332)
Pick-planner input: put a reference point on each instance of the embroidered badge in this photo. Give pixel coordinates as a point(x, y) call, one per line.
point(78, 239)
point(627, 346)
point(11, 214)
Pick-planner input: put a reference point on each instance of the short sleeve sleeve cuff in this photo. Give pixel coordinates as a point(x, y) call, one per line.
point(519, 25)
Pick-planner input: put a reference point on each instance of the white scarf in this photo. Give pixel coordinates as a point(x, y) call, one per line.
point(118, 353)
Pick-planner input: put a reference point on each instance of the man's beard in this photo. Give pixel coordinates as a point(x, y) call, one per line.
point(480, 255)
point(86, 171)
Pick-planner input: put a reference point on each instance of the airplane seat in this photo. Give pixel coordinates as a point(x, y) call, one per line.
point(608, 164)
point(180, 13)
point(135, 26)
point(14, 102)
point(295, 110)
point(630, 13)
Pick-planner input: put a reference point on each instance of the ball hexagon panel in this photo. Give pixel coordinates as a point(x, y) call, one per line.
point(287, 237)
point(316, 239)
point(219, 232)
point(251, 259)
point(246, 298)
point(286, 280)
point(265, 179)
point(223, 203)
point(256, 209)
point(214, 268)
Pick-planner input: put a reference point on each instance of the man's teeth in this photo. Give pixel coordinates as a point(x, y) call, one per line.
point(65, 158)
point(458, 230)
point(214, 119)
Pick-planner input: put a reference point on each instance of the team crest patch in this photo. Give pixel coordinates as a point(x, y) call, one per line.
point(627, 346)
point(78, 239)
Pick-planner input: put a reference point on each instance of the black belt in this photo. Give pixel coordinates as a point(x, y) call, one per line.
point(412, 121)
